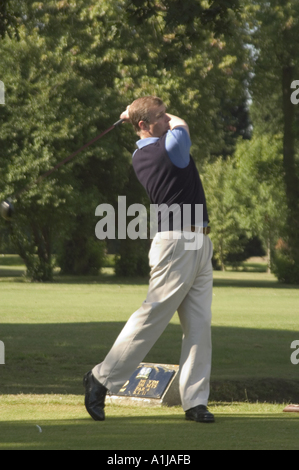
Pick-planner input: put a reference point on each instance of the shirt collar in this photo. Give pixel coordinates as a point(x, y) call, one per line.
point(148, 141)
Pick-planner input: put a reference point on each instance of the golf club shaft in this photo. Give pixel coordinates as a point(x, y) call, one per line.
point(67, 159)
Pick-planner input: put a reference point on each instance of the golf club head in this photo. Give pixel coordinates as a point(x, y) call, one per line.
point(6, 210)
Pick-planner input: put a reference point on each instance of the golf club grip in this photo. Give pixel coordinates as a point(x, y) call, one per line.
point(118, 122)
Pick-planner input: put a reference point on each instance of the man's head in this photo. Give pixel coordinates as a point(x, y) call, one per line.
point(148, 116)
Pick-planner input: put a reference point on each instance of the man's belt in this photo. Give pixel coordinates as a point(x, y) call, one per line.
point(204, 230)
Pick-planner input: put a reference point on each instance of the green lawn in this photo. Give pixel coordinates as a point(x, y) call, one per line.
point(54, 333)
point(65, 425)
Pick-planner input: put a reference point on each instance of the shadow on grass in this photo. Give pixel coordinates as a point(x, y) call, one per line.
point(252, 283)
point(10, 268)
point(228, 282)
point(10, 260)
point(248, 364)
point(18, 274)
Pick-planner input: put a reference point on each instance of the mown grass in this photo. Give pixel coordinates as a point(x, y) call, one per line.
point(54, 333)
point(59, 422)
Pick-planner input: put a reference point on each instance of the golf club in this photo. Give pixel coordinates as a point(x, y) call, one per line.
point(7, 207)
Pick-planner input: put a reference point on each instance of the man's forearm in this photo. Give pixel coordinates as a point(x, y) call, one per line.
point(177, 122)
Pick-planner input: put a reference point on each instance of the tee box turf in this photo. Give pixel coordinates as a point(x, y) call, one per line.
point(150, 385)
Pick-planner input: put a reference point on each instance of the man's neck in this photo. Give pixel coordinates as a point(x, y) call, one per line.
point(145, 135)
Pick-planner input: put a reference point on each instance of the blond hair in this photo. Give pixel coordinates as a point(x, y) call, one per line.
point(140, 110)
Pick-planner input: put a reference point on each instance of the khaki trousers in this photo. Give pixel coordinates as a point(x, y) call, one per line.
point(181, 280)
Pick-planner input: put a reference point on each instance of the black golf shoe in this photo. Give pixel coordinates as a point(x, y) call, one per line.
point(95, 394)
point(200, 414)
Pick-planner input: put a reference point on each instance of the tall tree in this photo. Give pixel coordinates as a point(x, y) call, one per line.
point(259, 189)
point(75, 68)
point(219, 180)
point(59, 96)
point(275, 29)
point(10, 17)
point(199, 49)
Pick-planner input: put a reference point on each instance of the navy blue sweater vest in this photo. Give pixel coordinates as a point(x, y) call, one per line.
point(167, 184)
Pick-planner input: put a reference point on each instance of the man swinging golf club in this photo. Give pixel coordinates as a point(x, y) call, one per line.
point(181, 280)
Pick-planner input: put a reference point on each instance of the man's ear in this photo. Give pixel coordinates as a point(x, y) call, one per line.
point(143, 126)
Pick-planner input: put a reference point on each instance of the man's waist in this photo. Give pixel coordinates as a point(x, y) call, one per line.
point(204, 230)
point(191, 229)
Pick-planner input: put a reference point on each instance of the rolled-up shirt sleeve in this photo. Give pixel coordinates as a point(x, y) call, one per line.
point(178, 145)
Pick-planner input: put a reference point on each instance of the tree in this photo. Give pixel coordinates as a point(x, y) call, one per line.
point(259, 189)
point(199, 52)
point(223, 207)
point(10, 17)
point(195, 17)
point(275, 38)
point(26, 152)
point(54, 107)
point(76, 67)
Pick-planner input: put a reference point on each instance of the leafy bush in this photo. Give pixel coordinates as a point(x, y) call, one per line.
point(285, 267)
point(81, 258)
point(133, 259)
point(39, 270)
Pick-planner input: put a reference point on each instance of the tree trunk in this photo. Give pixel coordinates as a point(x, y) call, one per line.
point(269, 258)
point(291, 177)
point(222, 257)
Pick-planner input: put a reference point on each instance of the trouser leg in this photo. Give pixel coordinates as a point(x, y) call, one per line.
point(196, 356)
point(147, 324)
point(173, 273)
point(134, 342)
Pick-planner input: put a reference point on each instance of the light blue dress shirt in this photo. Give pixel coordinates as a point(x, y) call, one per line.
point(178, 145)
